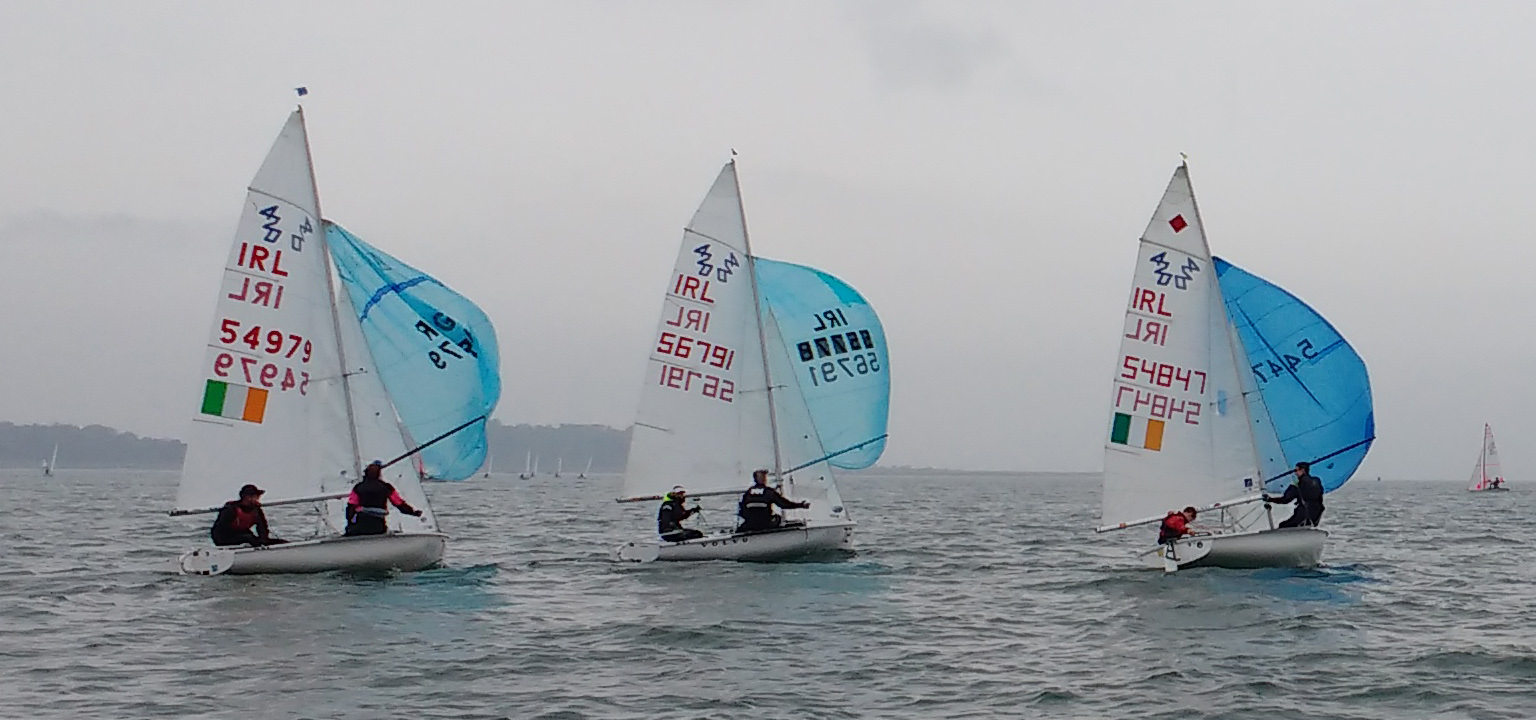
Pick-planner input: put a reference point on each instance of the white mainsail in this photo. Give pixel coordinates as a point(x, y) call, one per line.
point(703, 415)
point(1487, 469)
point(708, 414)
point(1179, 423)
point(271, 411)
point(280, 408)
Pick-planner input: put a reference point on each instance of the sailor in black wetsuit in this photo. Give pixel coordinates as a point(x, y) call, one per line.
point(368, 505)
point(669, 519)
point(756, 507)
point(1307, 493)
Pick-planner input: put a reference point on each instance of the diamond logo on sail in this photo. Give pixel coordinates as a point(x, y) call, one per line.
point(1138, 432)
point(236, 402)
point(1178, 223)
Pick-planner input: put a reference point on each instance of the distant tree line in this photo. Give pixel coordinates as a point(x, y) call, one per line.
point(95, 446)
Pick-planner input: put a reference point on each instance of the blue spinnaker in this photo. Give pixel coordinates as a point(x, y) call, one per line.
point(434, 350)
point(838, 348)
point(1312, 385)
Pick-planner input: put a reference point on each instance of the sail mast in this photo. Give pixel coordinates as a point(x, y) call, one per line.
point(330, 296)
point(1483, 461)
point(1220, 302)
point(762, 337)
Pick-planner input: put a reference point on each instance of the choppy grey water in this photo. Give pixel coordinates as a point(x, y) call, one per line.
point(971, 597)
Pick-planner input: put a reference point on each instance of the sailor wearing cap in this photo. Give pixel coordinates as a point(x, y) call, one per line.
point(237, 517)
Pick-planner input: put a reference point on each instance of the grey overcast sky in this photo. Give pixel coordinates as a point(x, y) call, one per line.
point(979, 171)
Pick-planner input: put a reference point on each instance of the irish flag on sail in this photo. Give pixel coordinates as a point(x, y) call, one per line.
point(236, 402)
point(1136, 431)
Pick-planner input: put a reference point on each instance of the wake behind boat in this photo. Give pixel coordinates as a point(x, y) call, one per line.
point(1487, 474)
point(299, 380)
point(1223, 382)
point(757, 365)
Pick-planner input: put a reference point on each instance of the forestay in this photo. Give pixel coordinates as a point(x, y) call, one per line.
point(1487, 469)
point(1312, 385)
point(269, 408)
point(836, 347)
point(703, 419)
point(1178, 429)
point(433, 349)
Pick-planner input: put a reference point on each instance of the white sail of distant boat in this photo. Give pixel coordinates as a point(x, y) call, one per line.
point(527, 467)
point(53, 462)
point(1487, 474)
point(559, 463)
point(583, 474)
point(535, 471)
point(755, 365)
point(490, 465)
point(300, 380)
point(1223, 382)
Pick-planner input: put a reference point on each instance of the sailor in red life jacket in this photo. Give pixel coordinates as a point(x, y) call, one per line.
point(237, 517)
point(368, 505)
point(1175, 526)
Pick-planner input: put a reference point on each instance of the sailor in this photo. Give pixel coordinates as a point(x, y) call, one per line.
point(669, 519)
point(756, 507)
point(1176, 525)
point(368, 505)
point(1307, 493)
point(237, 517)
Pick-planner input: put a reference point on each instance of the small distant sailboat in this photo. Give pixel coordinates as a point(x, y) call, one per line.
point(527, 467)
point(52, 463)
point(583, 474)
point(559, 463)
point(1486, 473)
point(490, 465)
point(535, 471)
point(1224, 382)
point(757, 364)
point(299, 380)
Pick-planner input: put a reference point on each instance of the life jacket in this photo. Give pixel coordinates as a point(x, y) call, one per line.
point(244, 520)
point(1173, 527)
point(756, 502)
point(668, 518)
point(373, 494)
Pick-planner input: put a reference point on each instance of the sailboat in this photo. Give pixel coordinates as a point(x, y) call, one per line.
point(52, 463)
point(583, 474)
point(756, 364)
point(527, 467)
point(299, 381)
point(490, 465)
point(1224, 381)
point(1486, 473)
point(535, 471)
point(559, 463)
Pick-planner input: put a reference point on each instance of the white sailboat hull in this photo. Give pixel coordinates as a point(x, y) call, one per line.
point(1284, 547)
point(795, 543)
point(397, 551)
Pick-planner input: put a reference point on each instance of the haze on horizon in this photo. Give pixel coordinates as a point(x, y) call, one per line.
point(979, 171)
